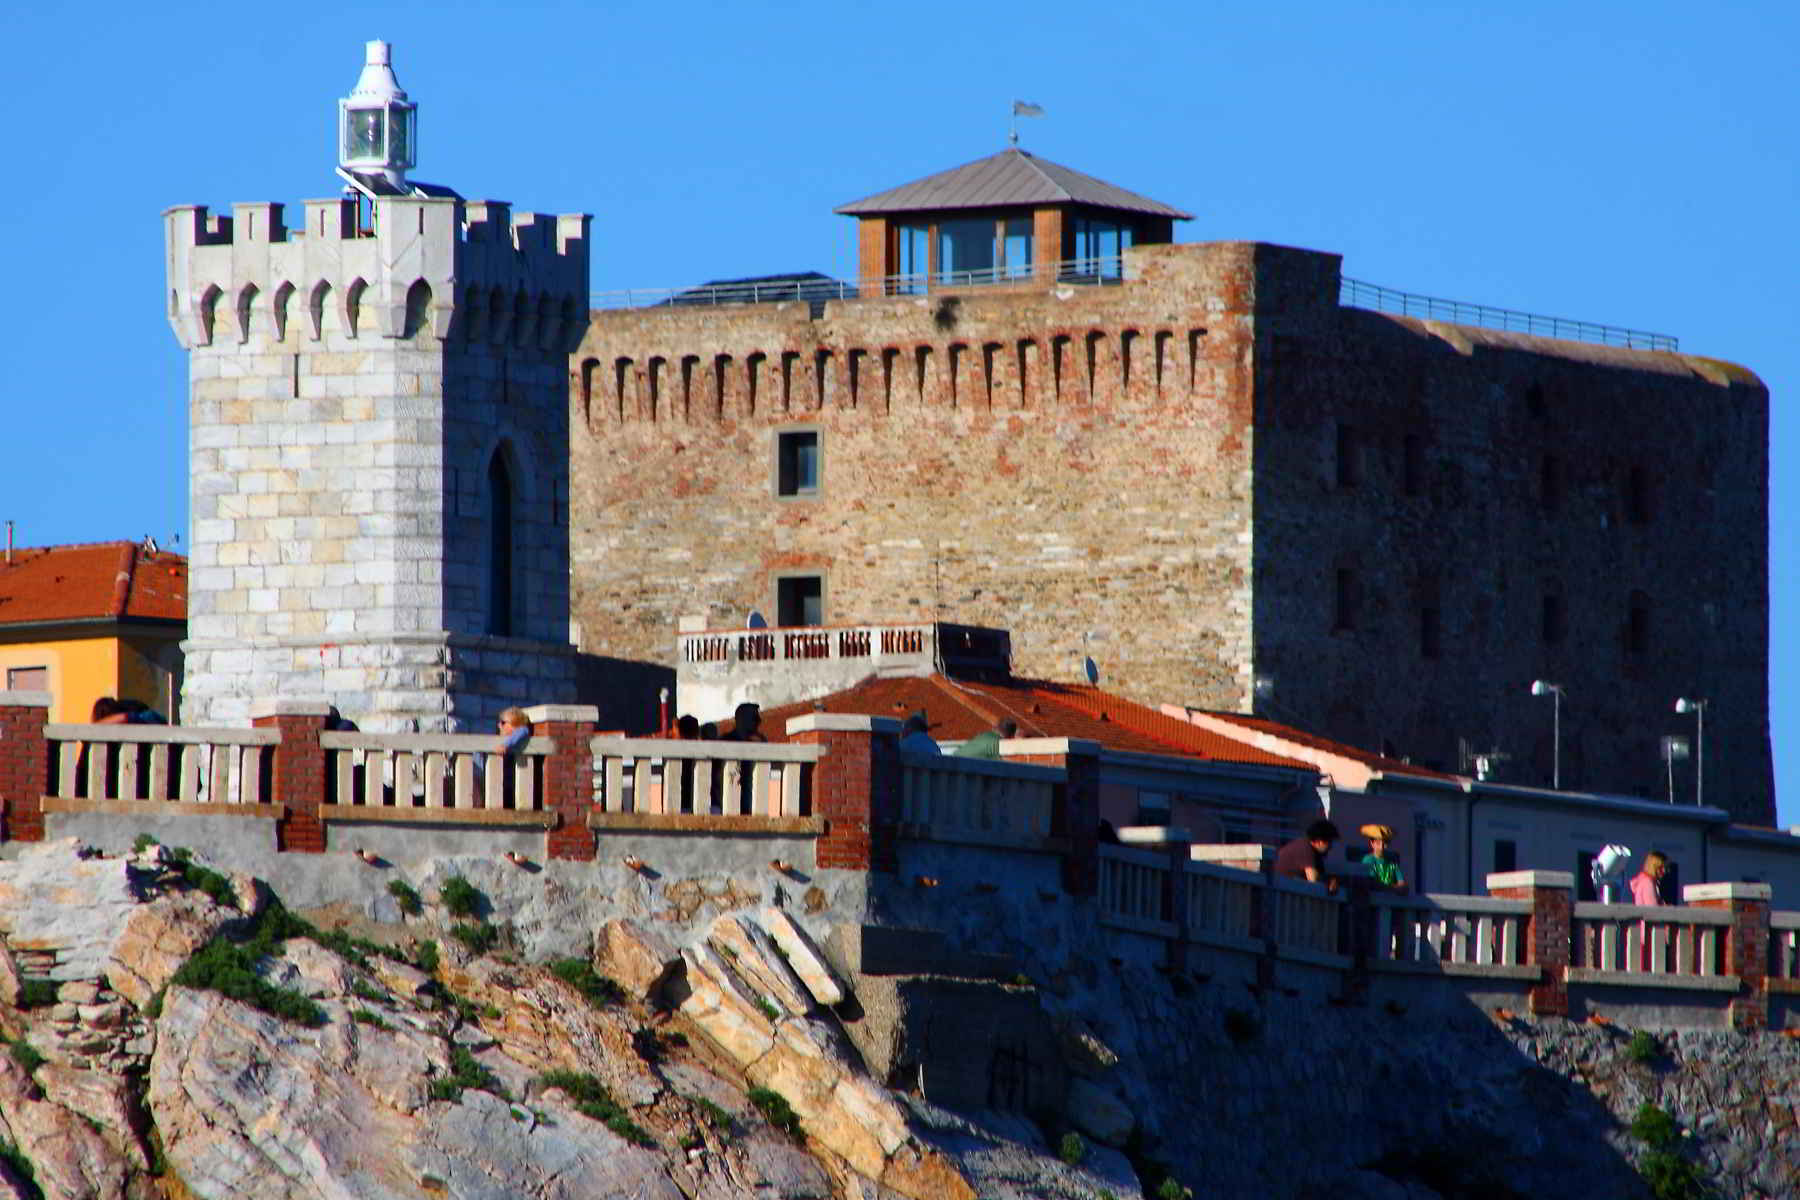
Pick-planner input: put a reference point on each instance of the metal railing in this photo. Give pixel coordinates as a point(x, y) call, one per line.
point(1102, 271)
point(1357, 294)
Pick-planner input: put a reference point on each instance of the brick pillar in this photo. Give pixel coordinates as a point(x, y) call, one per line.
point(568, 776)
point(1078, 818)
point(300, 770)
point(1746, 945)
point(856, 788)
point(1547, 931)
point(24, 765)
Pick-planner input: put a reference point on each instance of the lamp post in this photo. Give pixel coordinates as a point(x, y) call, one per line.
point(1697, 706)
point(1540, 687)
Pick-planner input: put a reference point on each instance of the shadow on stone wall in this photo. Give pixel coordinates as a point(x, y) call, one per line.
point(624, 690)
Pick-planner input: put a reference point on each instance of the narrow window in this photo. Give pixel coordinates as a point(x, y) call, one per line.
point(589, 368)
point(1550, 481)
point(1637, 625)
point(1344, 604)
point(1554, 623)
point(1412, 466)
point(797, 463)
point(1349, 457)
point(1535, 404)
point(500, 549)
point(1637, 496)
point(800, 600)
point(1428, 632)
point(621, 378)
point(1506, 855)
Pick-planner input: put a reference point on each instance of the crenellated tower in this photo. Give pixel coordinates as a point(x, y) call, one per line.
point(379, 441)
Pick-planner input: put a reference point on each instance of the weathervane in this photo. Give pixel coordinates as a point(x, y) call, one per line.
point(1022, 108)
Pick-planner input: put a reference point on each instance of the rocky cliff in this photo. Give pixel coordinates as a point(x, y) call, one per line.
point(175, 1032)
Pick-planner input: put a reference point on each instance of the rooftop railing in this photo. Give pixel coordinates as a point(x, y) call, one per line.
point(1357, 294)
point(1101, 271)
point(1110, 270)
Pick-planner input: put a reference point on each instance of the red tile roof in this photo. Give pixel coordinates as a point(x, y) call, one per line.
point(118, 581)
point(1300, 737)
point(958, 709)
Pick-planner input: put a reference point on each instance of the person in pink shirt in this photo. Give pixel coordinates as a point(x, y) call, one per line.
point(1646, 885)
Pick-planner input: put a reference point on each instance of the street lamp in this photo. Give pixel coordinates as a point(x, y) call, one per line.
point(1540, 687)
point(1698, 707)
point(1674, 750)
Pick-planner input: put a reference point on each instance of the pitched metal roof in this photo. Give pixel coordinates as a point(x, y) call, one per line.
point(1013, 178)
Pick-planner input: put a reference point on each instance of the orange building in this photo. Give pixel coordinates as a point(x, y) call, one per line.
point(91, 620)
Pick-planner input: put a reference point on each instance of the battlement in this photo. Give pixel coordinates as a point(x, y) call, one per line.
point(436, 266)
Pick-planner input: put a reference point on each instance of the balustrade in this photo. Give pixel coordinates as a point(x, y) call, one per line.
point(663, 777)
point(977, 800)
point(93, 765)
point(1784, 946)
point(431, 772)
point(1661, 940)
point(1435, 932)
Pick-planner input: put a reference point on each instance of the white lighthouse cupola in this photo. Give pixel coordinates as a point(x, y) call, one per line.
point(377, 124)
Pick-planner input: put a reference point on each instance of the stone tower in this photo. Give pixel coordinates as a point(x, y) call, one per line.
point(379, 442)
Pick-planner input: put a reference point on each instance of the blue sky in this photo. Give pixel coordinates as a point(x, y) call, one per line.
point(1630, 163)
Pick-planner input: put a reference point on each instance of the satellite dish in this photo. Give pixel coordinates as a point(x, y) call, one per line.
point(756, 621)
point(1091, 669)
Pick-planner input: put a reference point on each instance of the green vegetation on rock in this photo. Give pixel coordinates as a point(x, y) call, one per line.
point(776, 1110)
point(593, 1100)
point(460, 898)
point(594, 987)
point(406, 897)
point(1072, 1149)
point(37, 993)
point(465, 1072)
point(479, 937)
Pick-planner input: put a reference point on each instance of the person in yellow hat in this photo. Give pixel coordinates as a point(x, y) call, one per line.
point(1384, 869)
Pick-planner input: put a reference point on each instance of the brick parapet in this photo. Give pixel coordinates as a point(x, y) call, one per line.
point(568, 777)
point(1548, 931)
point(24, 765)
point(856, 789)
point(299, 774)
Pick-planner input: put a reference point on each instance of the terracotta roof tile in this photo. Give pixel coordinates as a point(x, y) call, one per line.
point(92, 581)
point(959, 709)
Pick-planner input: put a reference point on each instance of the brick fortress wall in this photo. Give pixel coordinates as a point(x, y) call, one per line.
point(1507, 502)
point(1148, 474)
point(1070, 463)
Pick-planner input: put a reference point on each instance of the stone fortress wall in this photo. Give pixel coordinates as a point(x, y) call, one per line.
point(1210, 473)
point(351, 384)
